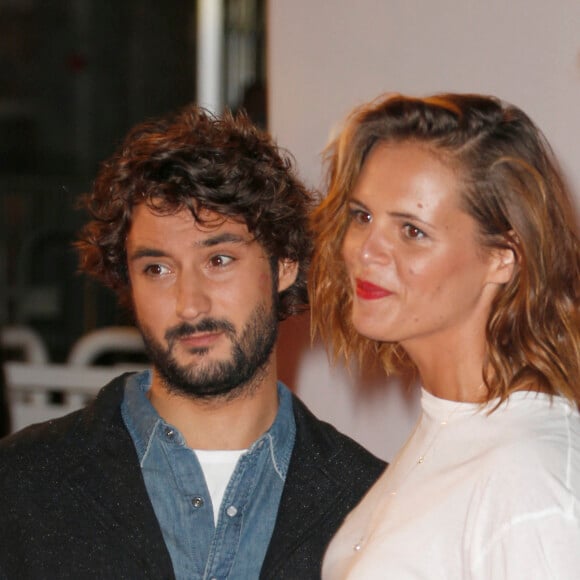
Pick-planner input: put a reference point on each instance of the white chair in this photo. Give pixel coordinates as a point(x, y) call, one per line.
point(25, 340)
point(39, 391)
point(110, 339)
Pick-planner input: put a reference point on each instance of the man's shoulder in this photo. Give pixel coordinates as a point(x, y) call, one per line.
point(37, 440)
point(40, 441)
point(328, 475)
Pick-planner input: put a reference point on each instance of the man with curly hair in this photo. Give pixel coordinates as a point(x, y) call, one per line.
point(206, 466)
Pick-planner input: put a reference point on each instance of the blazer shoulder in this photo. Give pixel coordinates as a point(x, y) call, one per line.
point(77, 430)
point(329, 473)
point(327, 446)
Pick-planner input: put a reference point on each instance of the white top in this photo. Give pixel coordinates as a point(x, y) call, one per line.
point(495, 496)
point(217, 467)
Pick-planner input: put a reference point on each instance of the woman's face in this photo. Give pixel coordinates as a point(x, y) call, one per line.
point(416, 268)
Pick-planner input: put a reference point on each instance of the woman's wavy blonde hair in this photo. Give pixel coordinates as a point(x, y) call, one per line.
point(512, 187)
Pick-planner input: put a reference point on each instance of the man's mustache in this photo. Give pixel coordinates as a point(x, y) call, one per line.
point(206, 325)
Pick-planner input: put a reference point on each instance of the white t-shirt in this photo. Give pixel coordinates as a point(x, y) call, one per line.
point(495, 496)
point(218, 467)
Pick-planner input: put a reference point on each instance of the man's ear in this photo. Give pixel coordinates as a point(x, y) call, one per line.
point(287, 273)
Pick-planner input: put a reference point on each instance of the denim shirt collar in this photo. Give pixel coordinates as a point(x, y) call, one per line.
point(144, 422)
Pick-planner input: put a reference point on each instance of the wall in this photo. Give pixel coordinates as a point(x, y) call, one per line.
point(326, 56)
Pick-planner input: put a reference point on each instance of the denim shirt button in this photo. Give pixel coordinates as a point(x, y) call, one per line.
point(232, 511)
point(197, 502)
point(169, 433)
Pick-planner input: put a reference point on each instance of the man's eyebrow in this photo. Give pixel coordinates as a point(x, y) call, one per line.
point(144, 252)
point(225, 238)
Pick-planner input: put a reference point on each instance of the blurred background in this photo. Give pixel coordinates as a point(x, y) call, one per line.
point(75, 75)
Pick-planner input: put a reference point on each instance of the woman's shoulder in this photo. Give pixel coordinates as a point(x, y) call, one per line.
point(532, 462)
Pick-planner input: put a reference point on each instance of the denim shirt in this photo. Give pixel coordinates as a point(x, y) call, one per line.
point(236, 547)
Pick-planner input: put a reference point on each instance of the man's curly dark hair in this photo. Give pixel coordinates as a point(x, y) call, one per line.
point(196, 160)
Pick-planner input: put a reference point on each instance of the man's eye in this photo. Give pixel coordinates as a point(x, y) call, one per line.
point(155, 270)
point(220, 261)
point(413, 232)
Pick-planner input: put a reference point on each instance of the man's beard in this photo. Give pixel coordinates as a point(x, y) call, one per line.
point(250, 353)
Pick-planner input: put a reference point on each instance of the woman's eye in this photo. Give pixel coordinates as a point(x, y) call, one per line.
point(359, 216)
point(413, 232)
point(220, 261)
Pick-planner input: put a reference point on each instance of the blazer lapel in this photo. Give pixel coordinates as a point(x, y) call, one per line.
point(106, 479)
point(310, 494)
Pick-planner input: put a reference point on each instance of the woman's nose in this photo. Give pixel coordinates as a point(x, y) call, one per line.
point(375, 247)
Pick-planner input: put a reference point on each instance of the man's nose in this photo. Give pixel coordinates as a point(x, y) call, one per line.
point(192, 297)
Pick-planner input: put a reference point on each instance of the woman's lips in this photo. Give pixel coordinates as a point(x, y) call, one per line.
point(368, 291)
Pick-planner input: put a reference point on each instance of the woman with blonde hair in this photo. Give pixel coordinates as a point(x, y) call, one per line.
point(448, 246)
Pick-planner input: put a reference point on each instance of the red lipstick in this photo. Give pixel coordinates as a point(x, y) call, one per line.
point(368, 291)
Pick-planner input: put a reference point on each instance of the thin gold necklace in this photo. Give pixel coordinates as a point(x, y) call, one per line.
point(419, 461)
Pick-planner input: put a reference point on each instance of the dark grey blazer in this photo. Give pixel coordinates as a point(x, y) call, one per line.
point(73, 503)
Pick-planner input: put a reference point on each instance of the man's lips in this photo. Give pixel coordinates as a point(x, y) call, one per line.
point(368, 291)
point(199, 339)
